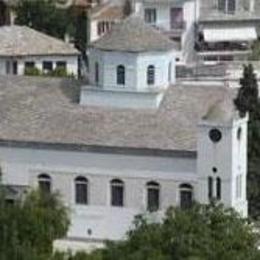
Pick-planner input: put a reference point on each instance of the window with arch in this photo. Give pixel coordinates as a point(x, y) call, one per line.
point(153, 196)
point(96, 72)
point(81, 190)
point(44, 183)
point(117, 193)
point(218, 184)
point(210, 188)
point(186, 195)
point(120, 71)
point(150, 75)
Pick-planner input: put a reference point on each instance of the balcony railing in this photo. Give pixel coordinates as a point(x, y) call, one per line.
point(225, 46)
point(174, 28)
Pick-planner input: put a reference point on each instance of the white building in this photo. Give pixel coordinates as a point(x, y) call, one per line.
point(22, 47)
point(130, 66)
point(176, 19)
point(227, 29)
point(110, 163)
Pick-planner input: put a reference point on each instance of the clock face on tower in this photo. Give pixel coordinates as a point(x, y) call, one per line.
point(215, 135)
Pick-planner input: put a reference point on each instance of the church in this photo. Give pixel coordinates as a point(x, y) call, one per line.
point(131, 140)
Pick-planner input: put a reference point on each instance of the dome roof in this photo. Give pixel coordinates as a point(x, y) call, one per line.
point(133, 35)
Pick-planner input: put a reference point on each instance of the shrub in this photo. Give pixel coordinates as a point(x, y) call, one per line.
point(32, 71)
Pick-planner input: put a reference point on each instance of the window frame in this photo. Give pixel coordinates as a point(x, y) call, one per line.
point(150, 15)
point(80, 181)
point(114, 201)
point(150, 75)
point(153, 186)
point(121, 75)
point(188, 188)
point(43, 180)
point(46, 69)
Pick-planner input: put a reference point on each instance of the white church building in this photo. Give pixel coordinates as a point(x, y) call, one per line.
point(131, 141)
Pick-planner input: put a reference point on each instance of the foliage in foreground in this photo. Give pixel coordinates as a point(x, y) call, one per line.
point(201, 233)
point(248, 101)
point(28, 229)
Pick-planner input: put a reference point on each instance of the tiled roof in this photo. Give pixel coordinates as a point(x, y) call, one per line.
point(108, 12)
point(46, 110)
point(133, 35)
point(21, 41)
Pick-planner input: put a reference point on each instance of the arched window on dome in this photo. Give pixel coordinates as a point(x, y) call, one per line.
point(81, 190)
point(153, 196)
point(186, 195)
point(117, 193)
point(44, 183)
point(150, 75)
point(120, 71)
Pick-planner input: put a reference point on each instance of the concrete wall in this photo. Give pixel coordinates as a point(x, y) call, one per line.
point(22, 166)
point(72, 63)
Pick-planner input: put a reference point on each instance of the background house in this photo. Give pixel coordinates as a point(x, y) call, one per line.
point(22, 47)
point(227, 29)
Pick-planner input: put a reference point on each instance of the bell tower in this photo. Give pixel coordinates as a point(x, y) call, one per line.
point(222, 157)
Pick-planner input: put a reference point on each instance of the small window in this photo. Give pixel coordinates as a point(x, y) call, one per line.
point(47, 66)
point(15, 68)
point(218, 188)
point(61, 65)
point(29, 64)
point(153, 196)
point(7, 67)
point(81, 190)
point(96, 72)
point(210, 188)
point(150, 15)
point(121, 75)
point(186, 196)
point(117, 193)
point(150, 75)
point(44, 182)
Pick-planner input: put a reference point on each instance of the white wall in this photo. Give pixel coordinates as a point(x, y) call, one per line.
point(229, 156)
point(22, 166)
point(135, 69)
point(72, 63)
point(189, 17)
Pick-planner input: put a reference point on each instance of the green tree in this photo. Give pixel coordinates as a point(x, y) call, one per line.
point(248, 101)
point(201, 233)
point(28, 228)
point(44, 16)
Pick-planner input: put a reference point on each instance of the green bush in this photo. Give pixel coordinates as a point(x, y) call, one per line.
point(32, 71)
point(60, 72)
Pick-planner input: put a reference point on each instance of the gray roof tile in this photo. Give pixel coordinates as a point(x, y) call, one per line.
point(133, 35)
point(24, 41)
point(46, 110)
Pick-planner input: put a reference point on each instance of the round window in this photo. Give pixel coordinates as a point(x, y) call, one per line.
point(215, 135)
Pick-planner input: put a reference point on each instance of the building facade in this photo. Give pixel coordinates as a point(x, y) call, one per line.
point(111, 157)
point(23, 48)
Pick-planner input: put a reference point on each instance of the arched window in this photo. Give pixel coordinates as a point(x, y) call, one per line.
point(218, 188)
point(120, 75)
point(81, 190)
point(44, 183)
point(96, 72)
point(153, 196)
point(150, 75)
point(186, 196)
point(117, 193)
point(210, 188)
